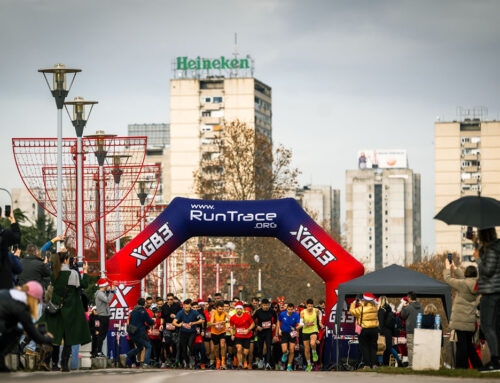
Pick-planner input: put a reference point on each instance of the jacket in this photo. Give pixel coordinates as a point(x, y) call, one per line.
point(34, 270)
point(367, 314)
point(463, 312)
point(488, 266)
point(70, 323)
point(102, 301)
point(140, 319)
point(383, 313)
point(13, 311)
point(8, 237)
point(409, 314)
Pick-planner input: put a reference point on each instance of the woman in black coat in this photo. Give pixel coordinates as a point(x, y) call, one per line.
point(386, 326)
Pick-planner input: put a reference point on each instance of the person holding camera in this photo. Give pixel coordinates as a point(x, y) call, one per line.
point(487, 255)
point(64, 314)
point(365, 310)
point(103, 298)
point(8, 237)
point(19, 306)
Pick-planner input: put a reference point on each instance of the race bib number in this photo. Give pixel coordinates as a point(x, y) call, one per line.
point(186, 326)
point(169, 326)
point(293, 334)
point(208, 335)
point(219, 326)
point(97, 323)
point(198, 331)
point(266, 324)
point(241, 331)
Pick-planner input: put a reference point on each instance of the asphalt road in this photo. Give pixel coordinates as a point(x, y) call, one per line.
point(211, 376)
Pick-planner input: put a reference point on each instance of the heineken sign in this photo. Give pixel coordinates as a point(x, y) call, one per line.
point(184, 63)
point(187, 67)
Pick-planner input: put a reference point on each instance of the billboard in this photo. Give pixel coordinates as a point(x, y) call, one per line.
point(382, 159)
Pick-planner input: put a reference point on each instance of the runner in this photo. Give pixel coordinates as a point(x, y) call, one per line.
point(170, 332)
point(242, 325)
point(287, 327)
point(217, 323)
point(265, 321)
point(254, 349)
point(309, 318)
point(186, 320)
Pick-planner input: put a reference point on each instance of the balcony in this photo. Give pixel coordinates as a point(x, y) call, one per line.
point(471, 157)
point(212, 106)
point(470, 145)
point(470, 181)
point(470, 169)
point(211, 120)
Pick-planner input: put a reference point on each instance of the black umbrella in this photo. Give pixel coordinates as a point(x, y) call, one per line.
point(475, 211)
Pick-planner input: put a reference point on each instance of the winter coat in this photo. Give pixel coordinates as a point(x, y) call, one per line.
point(488, 266)
point(34, 270)
point(140, 319)
point(8, 237)
point(409, 314)
point(463, 312)
point(383, 313)
point(13, 311)
point(102, 301)
point(70, 323)
point(367, 314)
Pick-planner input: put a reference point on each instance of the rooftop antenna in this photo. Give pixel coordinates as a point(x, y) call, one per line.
point(234, 73)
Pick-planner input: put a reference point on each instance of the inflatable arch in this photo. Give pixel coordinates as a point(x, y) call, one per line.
point(185, 218)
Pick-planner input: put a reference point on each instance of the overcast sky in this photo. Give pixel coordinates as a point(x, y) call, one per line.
point(345, 75)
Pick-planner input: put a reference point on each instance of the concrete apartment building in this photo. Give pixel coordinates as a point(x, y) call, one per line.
point(202, 97)
point(157, 151)
point(467, 161)
point(324, 203)
point(383, 223)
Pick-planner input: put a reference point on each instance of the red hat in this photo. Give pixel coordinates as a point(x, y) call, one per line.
point(238, 306)
point(369, 297)
point(102, 282)
point(248, 309)
point(200, 302)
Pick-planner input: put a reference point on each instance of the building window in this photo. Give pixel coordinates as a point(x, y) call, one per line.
point(205, 113)
point(217, 100)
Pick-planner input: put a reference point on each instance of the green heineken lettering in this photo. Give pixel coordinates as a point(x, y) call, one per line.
point(183, 63)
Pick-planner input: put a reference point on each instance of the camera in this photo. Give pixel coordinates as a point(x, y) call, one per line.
point(450, 258)
point(469, 232)
point(75, 265)
point(7, 210)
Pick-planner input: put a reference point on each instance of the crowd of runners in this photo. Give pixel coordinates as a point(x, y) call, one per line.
point(225, 334)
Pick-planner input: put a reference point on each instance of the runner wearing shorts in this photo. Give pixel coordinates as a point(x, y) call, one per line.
point(242, 325)
point(309, 318)
point(217, 323)
point(288, 321)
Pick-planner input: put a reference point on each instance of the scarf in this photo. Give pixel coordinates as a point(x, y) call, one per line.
point(74, 278)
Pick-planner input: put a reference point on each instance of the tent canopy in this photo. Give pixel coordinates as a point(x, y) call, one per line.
point(394, 281)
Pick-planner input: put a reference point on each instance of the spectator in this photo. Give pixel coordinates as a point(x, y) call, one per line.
point(94, 330)
point(34, 268)
point(19, 306)
point(429, 317)
point(387, 321)
point(487, 256)
point(103, 298)
point(8, 237)
point(69, 322)
point(367, 315)
point(137, 331)
point(17, 267)
point(411, 308)
point(463, 313)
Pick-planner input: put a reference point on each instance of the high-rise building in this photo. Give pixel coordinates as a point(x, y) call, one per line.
point(203, 95)
point(158, 134)
point(467, 162)
point(383, 224)
point(323, 202)
point(157, 152)
point(23, 200)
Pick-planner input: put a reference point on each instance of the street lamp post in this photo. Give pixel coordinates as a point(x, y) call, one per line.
point(200, 248)
point(142, 195)
point(117, 176)
point(59, 90)
point(79, 121)
point(101, 154)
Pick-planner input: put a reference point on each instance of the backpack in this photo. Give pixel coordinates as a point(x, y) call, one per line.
point(390, 321)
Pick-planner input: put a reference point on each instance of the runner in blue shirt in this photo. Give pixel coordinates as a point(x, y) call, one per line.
point(186, 320)
point(287, 329)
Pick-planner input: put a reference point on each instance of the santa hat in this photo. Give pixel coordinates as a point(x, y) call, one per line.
point(238, 306)
point(102, 282)
point(200, 302)
point(369, 297)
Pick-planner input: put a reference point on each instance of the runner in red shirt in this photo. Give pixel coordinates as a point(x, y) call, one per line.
point(242, 325)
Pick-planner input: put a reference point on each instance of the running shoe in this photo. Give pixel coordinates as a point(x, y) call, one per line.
point(268, 367)
point(308, 368)
point(283, 358)
point(315, 356)
point(260, 364)
point(217, 364)
point(289, 368)
point(245, 365)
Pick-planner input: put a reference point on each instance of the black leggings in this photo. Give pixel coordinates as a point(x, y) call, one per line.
point(368, 345)
point(265, 337)
point(466, 351)
point(186, 340)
